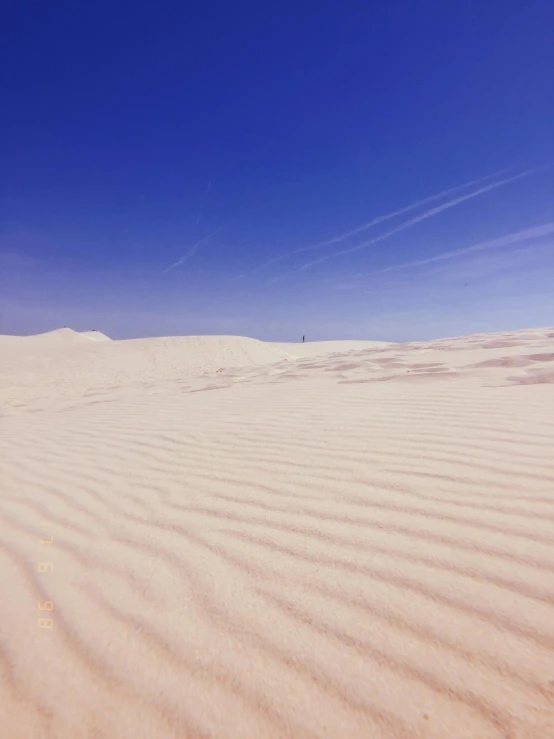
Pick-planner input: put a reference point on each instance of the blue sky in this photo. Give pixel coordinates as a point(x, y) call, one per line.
point(168, 168)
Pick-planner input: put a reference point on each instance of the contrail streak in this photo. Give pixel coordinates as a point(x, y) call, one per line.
point(381, 219)
point(192, 251)
point(427, 214)
point(527, 234)
point(400, 211)
point(204, 200)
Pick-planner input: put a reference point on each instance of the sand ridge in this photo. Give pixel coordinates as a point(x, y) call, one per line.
point(65, 362)
point(252, 541)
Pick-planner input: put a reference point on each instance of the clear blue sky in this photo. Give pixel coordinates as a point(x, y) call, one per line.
point(130, 131)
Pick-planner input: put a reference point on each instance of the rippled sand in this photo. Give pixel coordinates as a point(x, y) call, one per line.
point(342, 540)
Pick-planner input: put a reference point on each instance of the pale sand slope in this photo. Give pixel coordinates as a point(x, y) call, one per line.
point(95, 335)
point(65, 362)
point(357, 545)
point(320, 348)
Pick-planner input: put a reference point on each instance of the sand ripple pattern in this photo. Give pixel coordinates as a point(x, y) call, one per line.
point(320, 547)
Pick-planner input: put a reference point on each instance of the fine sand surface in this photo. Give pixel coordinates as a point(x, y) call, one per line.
point(244, 540)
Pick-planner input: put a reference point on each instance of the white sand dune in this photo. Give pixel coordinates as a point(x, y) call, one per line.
point(244, 541)
point(95, 335)
point(322, 348)
point(65, 362)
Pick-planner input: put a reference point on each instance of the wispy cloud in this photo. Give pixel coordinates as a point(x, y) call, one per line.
point(400, 211)
point(491, 258)
point(517, 237)
point(192, 251)
point(380, 219)
point(427, 214)
point(204, 200)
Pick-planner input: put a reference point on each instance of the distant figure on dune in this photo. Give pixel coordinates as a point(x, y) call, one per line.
point(303, 339)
